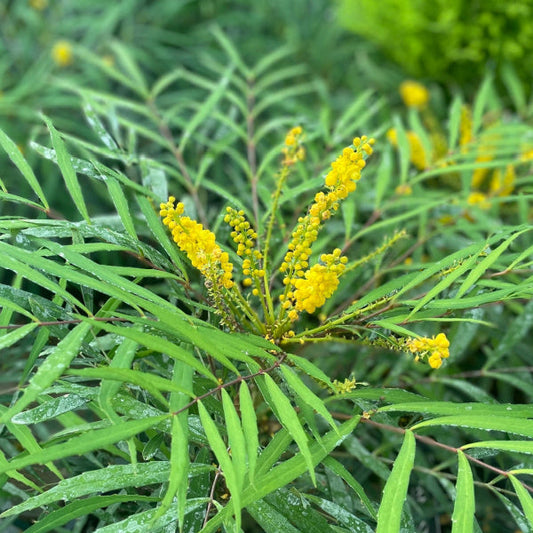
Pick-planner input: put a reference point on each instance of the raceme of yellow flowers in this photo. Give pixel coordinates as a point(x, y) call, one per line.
point(305, 284)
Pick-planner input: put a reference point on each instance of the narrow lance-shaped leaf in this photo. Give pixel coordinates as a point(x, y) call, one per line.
point(55, 519)
point(485, 264)
point(122, 359)
point(121, 204)
point(494, 423)
point(465, 503)
point(235, 437)
point(395, 491)
point(89, 441)
point(289, 419)
point(14, 336)
point(309, 397)
point(16, 156)
point(249, 427)
point(182, 377)
point(67, 170)
point(525, 498)
point(219, 449)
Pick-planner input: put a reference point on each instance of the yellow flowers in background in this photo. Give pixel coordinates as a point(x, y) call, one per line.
point(62, 53)
point(414, 94)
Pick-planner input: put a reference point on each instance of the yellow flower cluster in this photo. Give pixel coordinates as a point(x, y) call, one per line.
point(245, 236)
point(435, 348)
point(199, 245)
point(417, 153)
point(340, 181)
point(293, 149)
point(62, 53)
point(414, 94)
point(319, 282)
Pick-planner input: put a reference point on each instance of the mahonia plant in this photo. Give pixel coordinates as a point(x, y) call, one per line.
point(305, 283)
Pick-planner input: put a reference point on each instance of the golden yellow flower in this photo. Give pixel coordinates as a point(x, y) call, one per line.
point(435, 349)
point(62, 53)
point(293, 149)
point(199, 245)
point(479, 199)
point(319, 282)
point(414, 94)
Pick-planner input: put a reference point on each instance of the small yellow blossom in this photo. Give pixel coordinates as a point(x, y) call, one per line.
point(245, 237)
point(502, 185)
point(319, 282)
point(435, 349)
point(417, 153)
point(526, 155)
point(479, 199)
point(293, 149)
point(414, 94)
point(199, 245)
point(62, 53)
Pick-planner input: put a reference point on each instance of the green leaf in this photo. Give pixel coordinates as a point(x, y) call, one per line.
point(287, 471)
point(454, 122)
point(206, 109)
point(67, 170)
point(121, 204)
point(519, 446)
point(492, 423)
point(480, 103)
point(465, 503)
point(114, 376)
point(226, 464)
point(147, 520)
point(53, 366)
point(16, 156)
point(307, 396)
point(338, 469)
point(289, 419)
point(449, 408)
point(514, 333)
point(50, 409)
point(96, 125)
point(89, 441)
point(525, 498)
point(310, 369)
point(236, 438)
point(485, 264)
point(113, 477)
point(182, 378)
point(52, 521)
point(341, 515)
point(269, 519)
point(249, 427)
point(395, 491)
point(8, 339)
